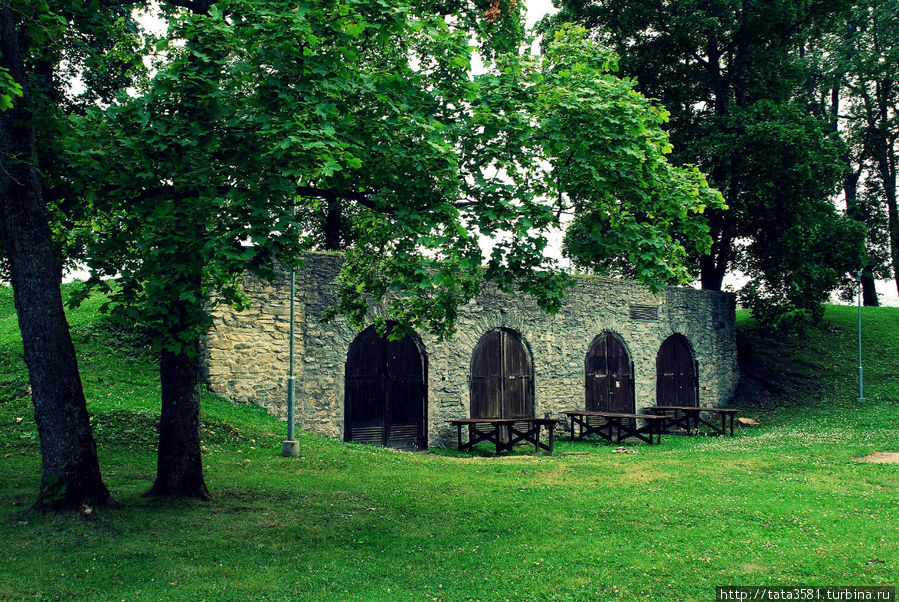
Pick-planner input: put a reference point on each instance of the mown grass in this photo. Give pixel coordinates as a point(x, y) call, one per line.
point(784, 503)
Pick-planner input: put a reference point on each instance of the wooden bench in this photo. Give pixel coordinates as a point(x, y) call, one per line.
point(617, 426)
point(689, 417)
point(529, 434)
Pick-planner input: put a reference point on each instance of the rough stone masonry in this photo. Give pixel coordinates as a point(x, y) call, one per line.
point(247, 352)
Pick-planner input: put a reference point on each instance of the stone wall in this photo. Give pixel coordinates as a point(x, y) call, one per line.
point(247, 352)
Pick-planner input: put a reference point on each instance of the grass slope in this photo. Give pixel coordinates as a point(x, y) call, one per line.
point(784, 503)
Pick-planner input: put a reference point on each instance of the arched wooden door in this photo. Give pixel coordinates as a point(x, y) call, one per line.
point(385, 396)
point(609, 376)
point(502, 377)
point(677, 380)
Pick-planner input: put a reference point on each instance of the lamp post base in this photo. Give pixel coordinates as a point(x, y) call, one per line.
point(290, 449)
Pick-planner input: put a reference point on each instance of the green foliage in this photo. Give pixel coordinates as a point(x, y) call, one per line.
point(9, 89)
point(796, 252)
point(729, 73)
point(78, 53)
point(634, 212)
point(352, 522)
point(271, 114)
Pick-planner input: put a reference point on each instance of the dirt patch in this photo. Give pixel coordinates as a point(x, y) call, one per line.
point(881, 458)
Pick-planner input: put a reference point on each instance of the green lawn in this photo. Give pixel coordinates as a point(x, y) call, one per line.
point(783, 503)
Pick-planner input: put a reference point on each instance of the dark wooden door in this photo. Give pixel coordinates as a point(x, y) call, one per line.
point(385, 398)
point(677, 380)
point(609, 376)
point(502, 377)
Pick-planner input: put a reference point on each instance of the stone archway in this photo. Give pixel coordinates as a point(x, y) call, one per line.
point(609, 376)
point(502, 377)
point(385, 393)
point(677, 373)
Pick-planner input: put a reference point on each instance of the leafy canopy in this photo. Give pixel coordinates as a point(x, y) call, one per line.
point(262, 109)
point(731, 74)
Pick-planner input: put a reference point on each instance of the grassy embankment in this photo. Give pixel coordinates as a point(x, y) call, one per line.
point(783, 503)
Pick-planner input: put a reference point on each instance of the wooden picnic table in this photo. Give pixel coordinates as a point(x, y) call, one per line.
point(616, 425)
point(689, 417)
point(514, 434)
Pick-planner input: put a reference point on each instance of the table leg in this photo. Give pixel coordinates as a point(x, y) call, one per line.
point(459, 436)
point(537, 439)
point(551, 429)
point(507, 444)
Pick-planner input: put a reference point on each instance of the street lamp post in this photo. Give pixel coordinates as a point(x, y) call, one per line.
point(291, 447)
point(861, 389)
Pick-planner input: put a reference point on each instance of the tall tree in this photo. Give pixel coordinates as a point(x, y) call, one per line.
point(368, 111)
point(867, 58)
point(35, 39)
point(850, 84)
point(728, 72)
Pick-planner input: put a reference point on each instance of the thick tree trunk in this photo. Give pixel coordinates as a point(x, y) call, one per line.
point(869, 293)
point(71, 471)
point(179, 465)
point(713, 267)
point(333, 226)
point(893, 221)
point(710, 276)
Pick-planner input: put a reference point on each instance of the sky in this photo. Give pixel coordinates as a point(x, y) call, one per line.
point(536, 9)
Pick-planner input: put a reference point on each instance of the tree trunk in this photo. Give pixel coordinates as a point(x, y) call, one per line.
point(711, 277)
point(850, 190)
point(179, 465)
point(885, 159)
point(333, 225)
point(713, 267)
point(893, 221)
point(869, 293)
point(887, 168)
point(71, 471)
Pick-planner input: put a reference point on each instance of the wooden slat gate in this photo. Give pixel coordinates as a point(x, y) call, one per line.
point(502, 377)
point(385, 396)
point(609, 376)
point(677, 380)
